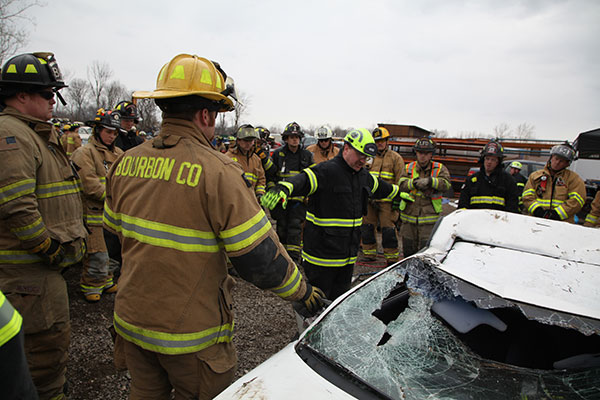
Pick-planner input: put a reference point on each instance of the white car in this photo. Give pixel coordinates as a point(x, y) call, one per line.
point(498, 306)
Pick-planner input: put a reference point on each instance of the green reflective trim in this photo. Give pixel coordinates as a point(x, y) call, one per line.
point(247, 233)
point(427, 219)
point(288, 174)
point(292, 247)
point(30, 231)
point(57, 189)
point(333, 222)
point(290, 287)
point(488, 200)
point(91, 289)
point(324, 262)
point(369, 252)
point(374, 173)
point(268, 164)
point(25, 257)
point(394, 193)
point(528, 192)
point(260, 189)
point(312, 179)
point(17, 189)
point(287, 185)
point(159, 234)
point(592, 219)
point(10, 320)
point(173, 343)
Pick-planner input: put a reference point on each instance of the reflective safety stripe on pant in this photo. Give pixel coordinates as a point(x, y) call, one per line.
point(380, 215)
point(289, 227)
point(332, 281)
point(97, 273)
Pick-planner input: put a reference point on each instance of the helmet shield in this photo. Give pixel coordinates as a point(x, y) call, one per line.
point(563, 150)
point(247, 132)
point(425, 145)
point(323, 133)
point(292, 129)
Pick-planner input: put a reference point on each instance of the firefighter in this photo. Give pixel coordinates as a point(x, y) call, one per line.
point(173, 311)
point(128, 136)
point(389, 167)
point(520, 180)
point(243, 154)
point(263, 147)
point(491, 187)
point(70, 140)
point(42, 228)
point(288, 161)
point(593, 217)
point(425, 180)
point(324, 149)
point(338, 192)
point(15, 379)
point(555, 192)
point(92, 162)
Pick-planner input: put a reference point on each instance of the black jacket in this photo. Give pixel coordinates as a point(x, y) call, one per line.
point(287, 164)
point(338, 198)
point(497, 191)
point(126, 141)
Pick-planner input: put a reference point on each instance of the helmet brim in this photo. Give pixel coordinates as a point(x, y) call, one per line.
point(168, 94)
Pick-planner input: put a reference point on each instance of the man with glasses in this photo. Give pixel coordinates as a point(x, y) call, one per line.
point(324, 149)
point(338, 192)
point(42, 228)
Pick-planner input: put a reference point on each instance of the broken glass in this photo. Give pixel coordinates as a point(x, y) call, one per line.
point(414, 355)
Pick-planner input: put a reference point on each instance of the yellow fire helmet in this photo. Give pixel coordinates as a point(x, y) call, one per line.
point(187, 75)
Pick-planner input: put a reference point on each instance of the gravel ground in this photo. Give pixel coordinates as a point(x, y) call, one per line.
point(264, 325)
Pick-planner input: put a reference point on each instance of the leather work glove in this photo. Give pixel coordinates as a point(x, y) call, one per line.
point(551, 214)
point(273, 197)
point(51, 251)
point(398, 199)
point(539, 212)
point(312, 302)
point(422, 183)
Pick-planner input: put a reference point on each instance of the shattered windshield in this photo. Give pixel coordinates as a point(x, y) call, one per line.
point(388, 337)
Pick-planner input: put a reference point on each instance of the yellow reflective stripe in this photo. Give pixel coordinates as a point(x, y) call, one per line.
point(528, 192)
point(334, 222)
point(561, 212)
point(427, 219)
point(394, 254)
point(287, 185)
point(159, 234)
point(10, 320)
point(25, 257)
point(435, 182)
point(56, 189)
point(374, 173)
point(93, 219)
point(17, 189)
point(268, 164)
point(324, 262)
point(521, 184)
point(250, 177)
point(289, 174)
point(592, 219)
point(533, 206)
point(30, 231)
point(292, 247)
point(375, 184)
point(247, 233)
point(289, 287)
point(312, 179)
point(260, 189)
point(103, 179)
point(70, 140)
point(387, 175)
point(488, 200)
point(394, 193)
point(173, 343)
point(369, 252)
point(577, 197)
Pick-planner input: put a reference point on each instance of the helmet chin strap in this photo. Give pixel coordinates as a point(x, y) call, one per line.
point(62, 100)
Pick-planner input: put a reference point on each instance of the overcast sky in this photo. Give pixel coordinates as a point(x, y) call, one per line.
point(459, 66)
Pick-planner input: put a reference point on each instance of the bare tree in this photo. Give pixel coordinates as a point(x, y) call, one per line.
point(502, 130)
point(98, 75)
point(12, 36)
point(240, 108)
point(221, 127)
point(116, 92)
point(149, 114)
point(77, 99)
point(525, 131)
point(440, 133)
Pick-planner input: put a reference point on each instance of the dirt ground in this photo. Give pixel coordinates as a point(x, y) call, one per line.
point(264, 325)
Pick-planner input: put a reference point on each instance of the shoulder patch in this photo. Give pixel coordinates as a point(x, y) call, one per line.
point(474, 179)
point(8, 143)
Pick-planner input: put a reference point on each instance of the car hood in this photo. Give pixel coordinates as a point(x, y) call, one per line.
point(280, 377)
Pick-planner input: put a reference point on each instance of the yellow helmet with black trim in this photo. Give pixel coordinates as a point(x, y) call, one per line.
point(187, 75)
point(380, 133)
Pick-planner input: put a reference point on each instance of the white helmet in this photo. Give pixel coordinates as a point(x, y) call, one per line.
point(323, 133)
